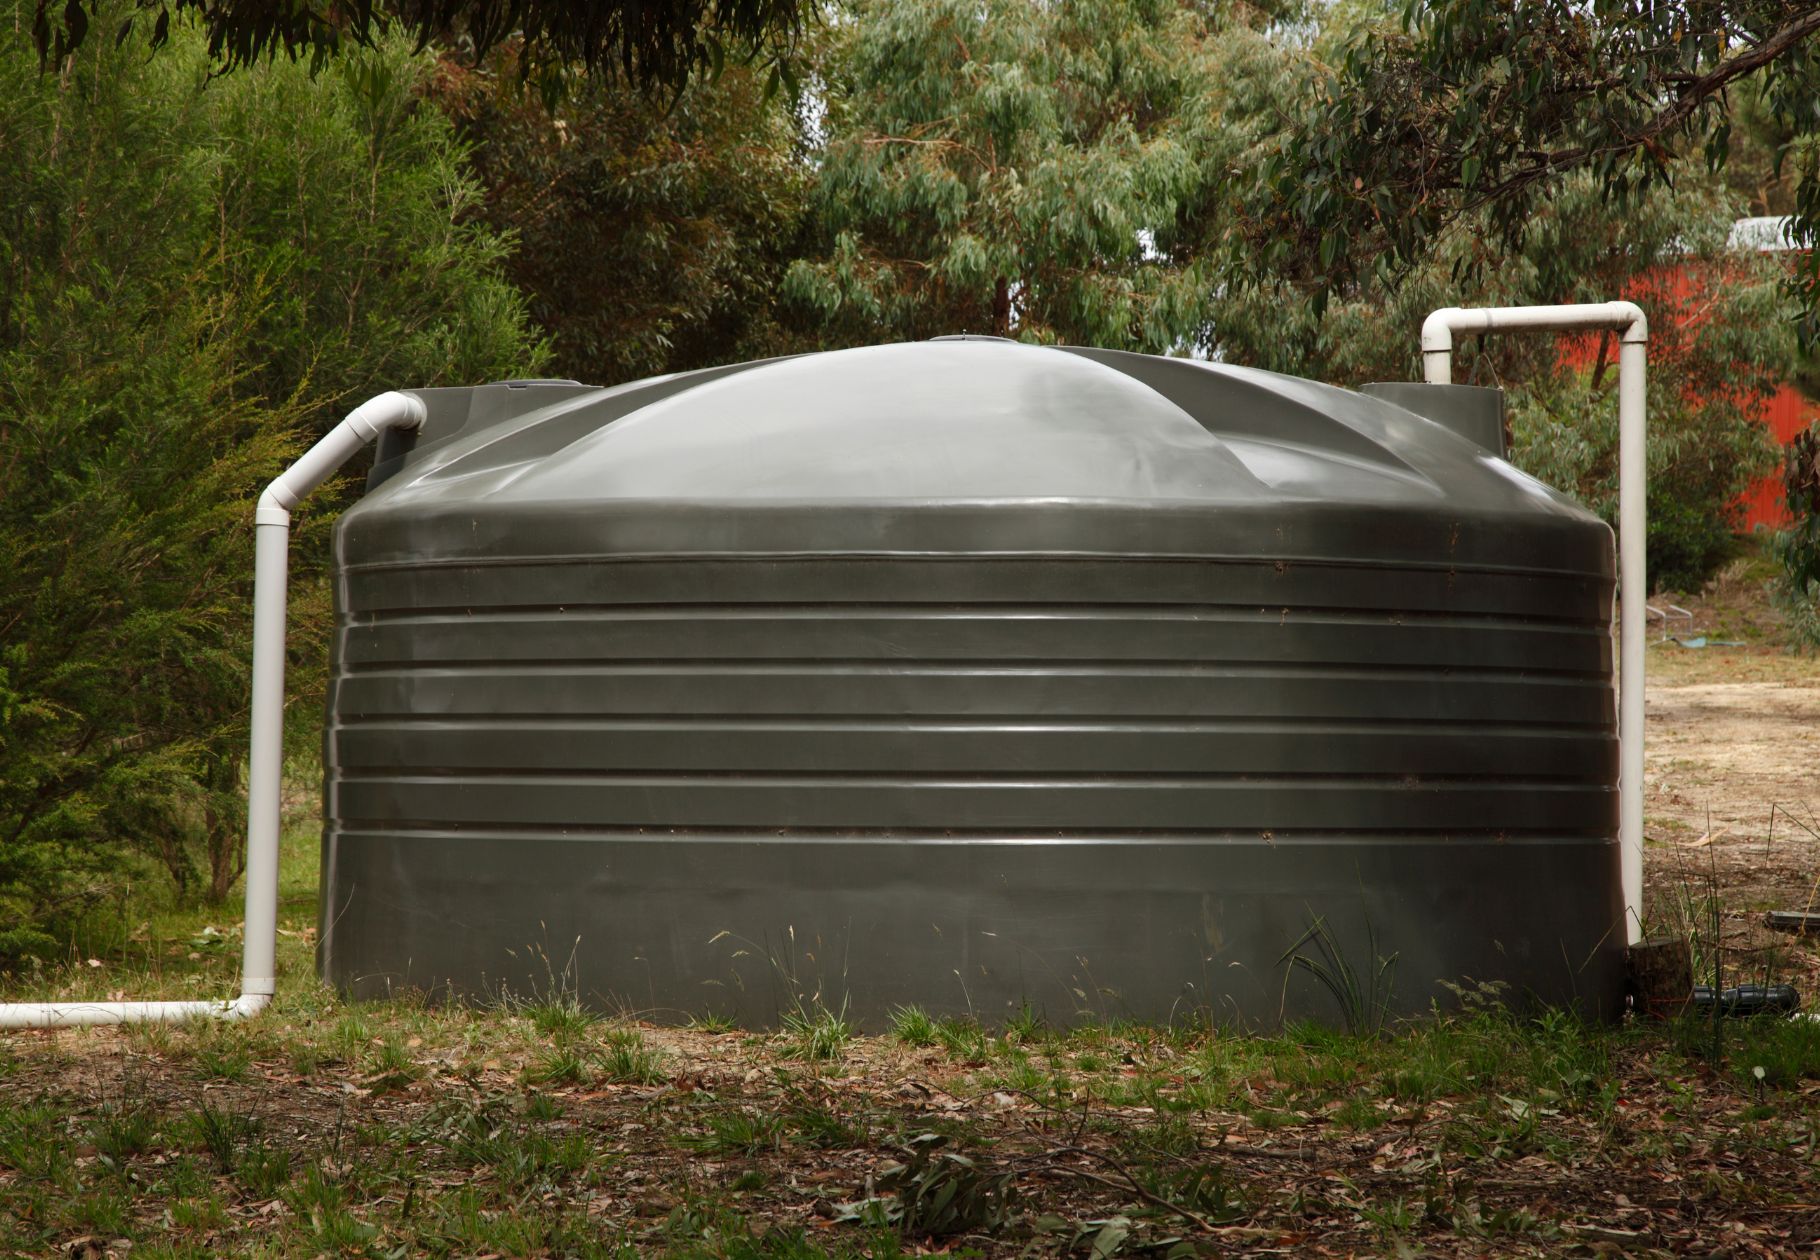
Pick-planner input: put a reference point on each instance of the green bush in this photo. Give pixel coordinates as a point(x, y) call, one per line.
point(653, 232)
point(1700, 459)
point(1796, 590)
point(194, 276)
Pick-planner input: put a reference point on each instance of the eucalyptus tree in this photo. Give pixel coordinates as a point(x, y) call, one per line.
point(1437, 112)
point(1045, 172)
point(650, 236)
point(650, 42)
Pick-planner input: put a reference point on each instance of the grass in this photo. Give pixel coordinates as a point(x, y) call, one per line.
point(577, 1138)
point(816, 1033)
point(537, 1127)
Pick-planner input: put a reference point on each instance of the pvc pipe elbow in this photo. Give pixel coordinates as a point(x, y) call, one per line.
point(1437, 330)
point(390, 410)
point(1636, 325)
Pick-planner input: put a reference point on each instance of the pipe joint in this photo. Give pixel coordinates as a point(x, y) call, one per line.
point(1437, 330)
point(1632, 326)
point(390, 410)
point(1636, 323)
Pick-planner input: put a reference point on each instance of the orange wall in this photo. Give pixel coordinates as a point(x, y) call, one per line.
point(1787, 412)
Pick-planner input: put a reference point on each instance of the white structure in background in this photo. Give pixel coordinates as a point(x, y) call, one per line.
point(1769, 234)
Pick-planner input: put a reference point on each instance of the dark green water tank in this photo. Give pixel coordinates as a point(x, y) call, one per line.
point(969, 675)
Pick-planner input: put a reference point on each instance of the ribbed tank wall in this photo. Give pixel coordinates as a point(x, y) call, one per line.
point(1118, 785)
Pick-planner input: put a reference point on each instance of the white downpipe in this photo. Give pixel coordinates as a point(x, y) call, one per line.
point(271, 533)
point(1633, 342)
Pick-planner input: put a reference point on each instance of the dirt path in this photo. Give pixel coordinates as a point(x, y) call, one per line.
point(1731, 794)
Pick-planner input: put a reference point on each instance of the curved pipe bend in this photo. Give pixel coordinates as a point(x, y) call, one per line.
point(265, 764)
point(1439, 329)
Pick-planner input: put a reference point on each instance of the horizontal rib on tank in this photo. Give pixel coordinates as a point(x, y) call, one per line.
point(701, 694)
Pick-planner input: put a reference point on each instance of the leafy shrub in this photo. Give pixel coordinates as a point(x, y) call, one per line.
point(1796, 590)
point(1700, 458)
point(195, 276)
point(653, 232)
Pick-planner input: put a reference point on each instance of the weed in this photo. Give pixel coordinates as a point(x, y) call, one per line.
point(709, 1022)
point(912, 1026)
point(223, 1057)
point(103, 1212)
point(936, 1193)
point(1357, 1112)
point(198, 1213)
point(222, 1133)
point(1787, 1051)
point(263, 1170)
point(122, 1132)
point(348, 1039)
point(740, 1132)
point(825, 1129)
point(1025, 1026)
point(1364, 1000)
point(1207, 1190)
point(817, 1034)
point(558, 1065)
point(627, 1060)
point(559, 1016)
point(964, 1039)
point(1390, 1217)
point(392, 1068)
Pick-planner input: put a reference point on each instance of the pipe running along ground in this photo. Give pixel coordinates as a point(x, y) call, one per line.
point(272, 533)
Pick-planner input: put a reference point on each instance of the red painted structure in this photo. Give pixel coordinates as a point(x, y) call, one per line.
point(1685, 291)
point(1787, 413)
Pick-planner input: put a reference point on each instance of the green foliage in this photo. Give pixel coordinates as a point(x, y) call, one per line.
point(628, 1060)
point(1432, 112)
point(913, 1026)
point(652, 44)
point(935, 1192)
point(1796, 590)
point(1021, 170)
point(1363, 995)
point(1116, 174)
point(1720, 341)
point(353, 199)
point(180, 261)
point(816, 1033)
point(738, 1132)
point(652, 234)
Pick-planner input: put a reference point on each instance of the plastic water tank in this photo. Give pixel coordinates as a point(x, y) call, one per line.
point(967, 674)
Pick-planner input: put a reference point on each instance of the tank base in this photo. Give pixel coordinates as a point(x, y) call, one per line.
point(1149, 928)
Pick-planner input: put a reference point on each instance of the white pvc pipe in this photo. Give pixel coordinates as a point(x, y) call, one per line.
point(271, 535)
point(1627, 318)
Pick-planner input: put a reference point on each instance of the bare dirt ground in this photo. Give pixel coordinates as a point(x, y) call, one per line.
point(1732, 780)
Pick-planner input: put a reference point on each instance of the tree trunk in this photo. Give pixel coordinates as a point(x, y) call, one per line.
point(224, 816)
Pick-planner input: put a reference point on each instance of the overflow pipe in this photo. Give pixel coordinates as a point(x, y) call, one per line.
point(1627, 318)
point(271, 558)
